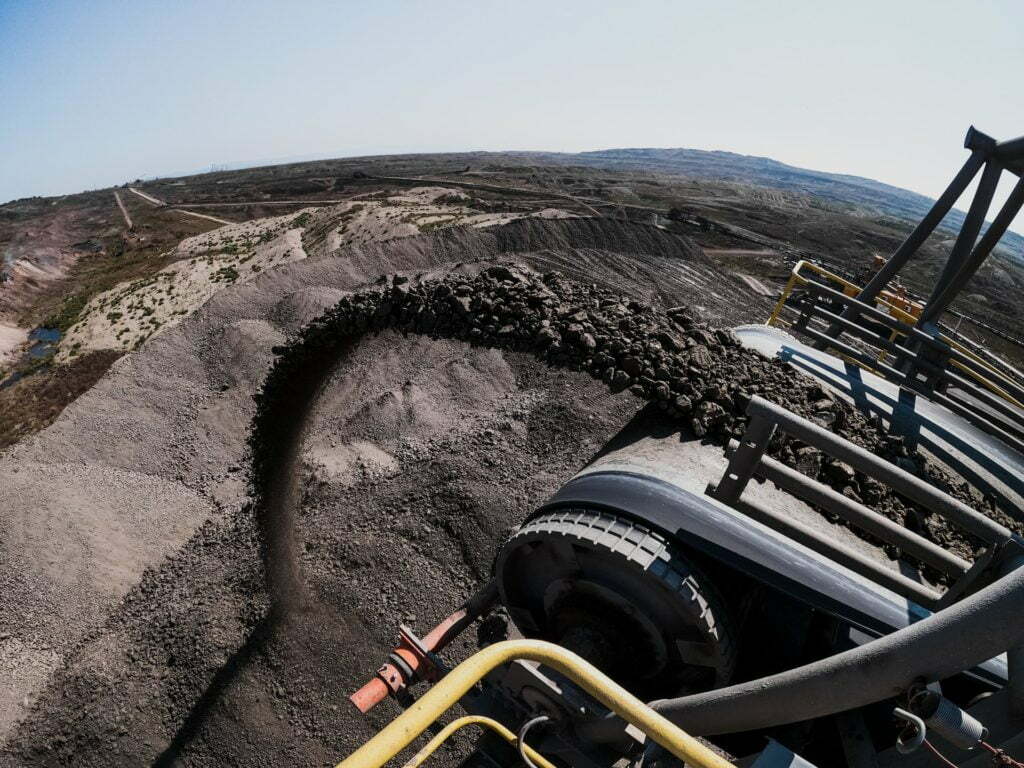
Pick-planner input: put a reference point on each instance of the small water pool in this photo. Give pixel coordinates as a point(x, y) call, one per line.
point(43, 341)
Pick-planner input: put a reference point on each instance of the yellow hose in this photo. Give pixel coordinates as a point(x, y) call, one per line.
point(404, 729)
point(484, 722)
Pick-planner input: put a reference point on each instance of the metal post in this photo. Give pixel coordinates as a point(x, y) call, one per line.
point(981, 251)
point(966, 239)
point(858, 515)
point(745, 460)
point(914, 488)
point(1011, 153)
point(926, 226)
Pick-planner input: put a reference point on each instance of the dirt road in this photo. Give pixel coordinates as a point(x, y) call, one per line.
point(244, 203)
point(756, 285)
point(161, 203)
point(204, 216)
point(144, 196)
point(766, 252)
point(124, 212)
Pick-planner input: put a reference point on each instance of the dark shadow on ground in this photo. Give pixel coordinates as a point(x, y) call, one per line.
point(201, 710)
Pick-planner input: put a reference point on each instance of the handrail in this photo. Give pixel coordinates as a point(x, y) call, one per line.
point(901, 481)
point(963, 359)
point(484, 722)
point(401, 731)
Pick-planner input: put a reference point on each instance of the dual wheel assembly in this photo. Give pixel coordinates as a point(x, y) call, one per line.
point(620, 595)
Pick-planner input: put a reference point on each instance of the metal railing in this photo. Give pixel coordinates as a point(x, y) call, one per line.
point(483, 722)
point(747, 459)
point(1003, 551)
point(884, 339)
point(404, 729)
point(901, 306)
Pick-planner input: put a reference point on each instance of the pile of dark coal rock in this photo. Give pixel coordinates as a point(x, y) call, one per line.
point(699, 376)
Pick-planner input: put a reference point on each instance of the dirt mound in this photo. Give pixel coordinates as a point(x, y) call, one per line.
point(130, 313)
point(383, 216)
point(12, 339)
point(125, 316)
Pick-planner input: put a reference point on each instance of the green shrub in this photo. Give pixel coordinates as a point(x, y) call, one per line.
point(67, 315)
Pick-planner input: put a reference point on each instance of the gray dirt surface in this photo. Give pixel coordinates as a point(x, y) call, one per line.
point(166, 430)
point(418, 457)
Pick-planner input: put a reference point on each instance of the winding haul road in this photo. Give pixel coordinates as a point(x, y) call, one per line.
point(161, 203)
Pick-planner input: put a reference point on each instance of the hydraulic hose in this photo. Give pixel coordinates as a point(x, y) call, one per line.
point(957, 638)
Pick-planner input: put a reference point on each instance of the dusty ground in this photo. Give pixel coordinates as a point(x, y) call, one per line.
point(121, 657)
point(11, 340)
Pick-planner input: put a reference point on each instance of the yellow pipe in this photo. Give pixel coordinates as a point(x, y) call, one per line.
point(989, 385)
point(793, 280)
point(980, 361)
point(401, 731)
point(484, 722)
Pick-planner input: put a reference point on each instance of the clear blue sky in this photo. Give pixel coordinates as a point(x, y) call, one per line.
point(94, 93)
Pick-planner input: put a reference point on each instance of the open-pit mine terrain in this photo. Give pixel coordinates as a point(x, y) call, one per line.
point(251, 421)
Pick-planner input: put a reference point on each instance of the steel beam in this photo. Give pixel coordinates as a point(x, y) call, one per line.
point(1009, 428)
point(847, 557)
point(1015, 655)
point(982, 146)
point(858, 515)
point(744, 460)
point(913, 334)
point(1011, 153)
point(981, 251)
point(968, 236)
point(924, 228)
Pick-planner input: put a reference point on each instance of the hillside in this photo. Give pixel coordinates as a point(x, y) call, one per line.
point(135, 617)
point(852, 192)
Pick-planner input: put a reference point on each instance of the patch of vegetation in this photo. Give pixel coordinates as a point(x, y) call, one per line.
point(65, 317)
point(451, 198)
point(33, 403)
point(301, 220)
point(226, 274)
point(430, 226)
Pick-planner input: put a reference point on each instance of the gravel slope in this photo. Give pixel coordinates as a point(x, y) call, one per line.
point(149, 463)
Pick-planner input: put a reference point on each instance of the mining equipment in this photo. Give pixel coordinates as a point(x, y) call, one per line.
point(637, 619)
